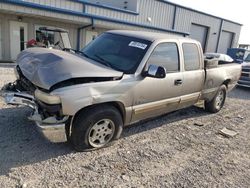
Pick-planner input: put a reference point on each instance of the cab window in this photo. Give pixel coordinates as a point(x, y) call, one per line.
point(191, 56)
point(166, 55)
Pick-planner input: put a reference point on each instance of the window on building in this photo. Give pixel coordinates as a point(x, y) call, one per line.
point(22, 42)
point(166, 55)
point(191, 56)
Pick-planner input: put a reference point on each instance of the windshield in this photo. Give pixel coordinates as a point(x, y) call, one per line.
point(247, 58)
point(118, 52)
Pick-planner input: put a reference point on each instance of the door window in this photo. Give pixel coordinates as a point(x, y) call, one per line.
point(191, 56)
point(18, 38)
point(22, 42)
point(167, 56)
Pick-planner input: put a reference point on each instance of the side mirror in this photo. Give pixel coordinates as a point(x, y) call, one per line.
point(155, 71)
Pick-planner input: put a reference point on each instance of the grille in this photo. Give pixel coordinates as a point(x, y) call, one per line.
point(245, 75)
point(245, 69)
point(25, 84)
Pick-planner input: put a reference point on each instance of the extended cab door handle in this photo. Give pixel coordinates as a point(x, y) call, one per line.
point(178, 82)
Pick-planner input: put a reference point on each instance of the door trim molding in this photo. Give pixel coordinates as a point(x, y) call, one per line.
point(143, 108)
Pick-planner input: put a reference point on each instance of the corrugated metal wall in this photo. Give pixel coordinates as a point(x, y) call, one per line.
point(160, 13)
point(185, 18)
point(65, 4)
point(9, 8)
point(122, 4)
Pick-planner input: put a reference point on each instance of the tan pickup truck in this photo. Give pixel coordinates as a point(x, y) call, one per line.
point(121, 77)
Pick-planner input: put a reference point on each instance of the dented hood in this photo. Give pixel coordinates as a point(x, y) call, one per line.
point(47, 67)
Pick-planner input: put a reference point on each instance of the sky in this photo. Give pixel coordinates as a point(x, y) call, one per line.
point(232, 10)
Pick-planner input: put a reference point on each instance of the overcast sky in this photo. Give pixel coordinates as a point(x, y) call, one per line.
point(233, 10)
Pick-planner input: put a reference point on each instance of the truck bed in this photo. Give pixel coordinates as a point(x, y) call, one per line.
point(215, 76)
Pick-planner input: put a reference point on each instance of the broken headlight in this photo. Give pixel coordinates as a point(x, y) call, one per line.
point(47, 98)
point(16, 73)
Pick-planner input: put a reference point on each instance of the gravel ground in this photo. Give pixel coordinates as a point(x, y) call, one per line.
point(181, 149)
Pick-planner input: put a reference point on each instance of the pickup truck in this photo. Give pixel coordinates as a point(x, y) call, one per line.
point(244, 80)
point(120, 78)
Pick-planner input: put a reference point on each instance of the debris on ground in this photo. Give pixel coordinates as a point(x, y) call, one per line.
point(240, 117)
point(199, 124)
point(227, 132)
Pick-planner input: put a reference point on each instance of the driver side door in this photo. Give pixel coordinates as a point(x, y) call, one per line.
point(154, 96)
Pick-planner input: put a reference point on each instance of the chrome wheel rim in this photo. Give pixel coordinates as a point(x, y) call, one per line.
point(101, 133)
point(219, 99)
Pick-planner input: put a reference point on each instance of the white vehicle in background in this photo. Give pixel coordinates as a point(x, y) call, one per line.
point(222, 58)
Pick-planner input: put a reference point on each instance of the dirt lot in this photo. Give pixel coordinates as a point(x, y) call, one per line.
point(181, 149)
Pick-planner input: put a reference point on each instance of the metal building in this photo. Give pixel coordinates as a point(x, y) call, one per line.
point(84, 19)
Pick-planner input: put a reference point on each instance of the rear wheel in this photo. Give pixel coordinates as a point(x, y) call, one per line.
point(96, 128)
point(218, 101)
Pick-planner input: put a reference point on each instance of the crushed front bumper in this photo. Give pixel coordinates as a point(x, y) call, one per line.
point(51, 128)
point(54, 133)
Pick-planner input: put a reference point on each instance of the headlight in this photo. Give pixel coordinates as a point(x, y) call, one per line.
point(16, 73)
point(47, 98)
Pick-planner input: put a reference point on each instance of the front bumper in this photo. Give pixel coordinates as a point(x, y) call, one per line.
point(244, 83)
point(244, 80)
point(54, 133)
point(51, 128)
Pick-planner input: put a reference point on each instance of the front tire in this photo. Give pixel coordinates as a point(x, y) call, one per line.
point(218, 101)
point(96, 127)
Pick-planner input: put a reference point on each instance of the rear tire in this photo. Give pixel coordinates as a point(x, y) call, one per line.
point(218, 101)
point(96, 127)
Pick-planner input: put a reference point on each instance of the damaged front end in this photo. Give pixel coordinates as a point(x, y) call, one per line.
point(47, 116)
point(39, 73)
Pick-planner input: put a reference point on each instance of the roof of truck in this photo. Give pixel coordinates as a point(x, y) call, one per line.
point(151, 36)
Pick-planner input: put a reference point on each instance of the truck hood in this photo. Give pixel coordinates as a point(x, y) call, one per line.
point(47, 67)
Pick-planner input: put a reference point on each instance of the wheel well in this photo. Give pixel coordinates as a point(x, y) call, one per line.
point(226, 82)
point(118, 105)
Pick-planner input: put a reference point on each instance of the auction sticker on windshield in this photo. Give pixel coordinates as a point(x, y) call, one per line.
point(138, 45)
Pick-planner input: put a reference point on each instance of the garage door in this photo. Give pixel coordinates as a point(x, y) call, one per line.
point(199, 33)
point(226, 40)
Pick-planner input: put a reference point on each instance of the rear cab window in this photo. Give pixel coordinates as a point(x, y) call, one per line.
point(166, 55)
point(191, 56)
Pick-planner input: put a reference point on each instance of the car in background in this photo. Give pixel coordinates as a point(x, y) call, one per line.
point(238, 54)
point(245, 73)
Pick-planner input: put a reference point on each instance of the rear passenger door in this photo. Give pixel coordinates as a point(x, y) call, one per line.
point(153, 96)
point(193, 74)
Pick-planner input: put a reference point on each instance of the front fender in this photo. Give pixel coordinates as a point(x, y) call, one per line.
point(75, 98)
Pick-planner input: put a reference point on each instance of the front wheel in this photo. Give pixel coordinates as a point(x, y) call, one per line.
point(96, 127)
point(218, 101)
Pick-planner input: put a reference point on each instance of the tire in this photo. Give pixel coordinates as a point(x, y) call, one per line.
point(96, 128)
point(218, 101)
